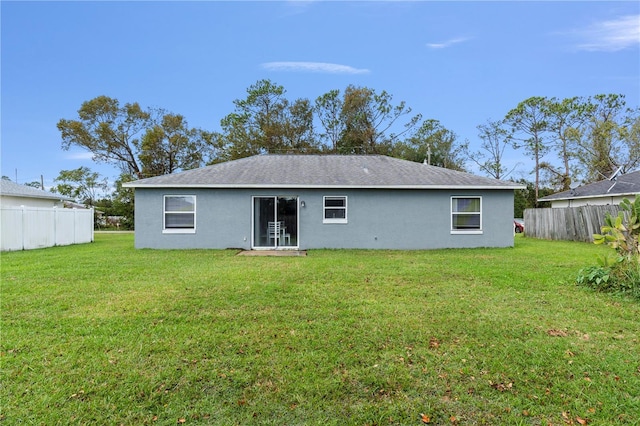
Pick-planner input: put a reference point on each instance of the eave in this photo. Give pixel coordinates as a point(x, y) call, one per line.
point(296, 186)
point(584, 197)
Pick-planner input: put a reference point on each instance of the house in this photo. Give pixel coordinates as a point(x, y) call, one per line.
point(605, 192)
point(15, 195)
point(322, 201)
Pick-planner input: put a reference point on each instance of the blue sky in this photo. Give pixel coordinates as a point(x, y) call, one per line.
point(461, 63)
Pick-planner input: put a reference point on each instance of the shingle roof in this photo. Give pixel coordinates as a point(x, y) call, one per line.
point(623, 185)
point(13, 189)
point(322, 171)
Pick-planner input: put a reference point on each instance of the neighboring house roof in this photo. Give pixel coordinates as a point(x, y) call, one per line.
point(74, 205)
point(622, 186)
point(13, 189)
point(322, 171)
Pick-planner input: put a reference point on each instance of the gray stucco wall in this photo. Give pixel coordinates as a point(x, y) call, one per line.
point(377, 219)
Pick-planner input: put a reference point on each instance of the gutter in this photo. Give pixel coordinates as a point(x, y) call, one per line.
point(294, 186)
point(620, 194)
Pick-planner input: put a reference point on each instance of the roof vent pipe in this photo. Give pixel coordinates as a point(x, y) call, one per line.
point(427, 160)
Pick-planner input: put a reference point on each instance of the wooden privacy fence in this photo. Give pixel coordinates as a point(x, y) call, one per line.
point(26, 228)
point(571, 223)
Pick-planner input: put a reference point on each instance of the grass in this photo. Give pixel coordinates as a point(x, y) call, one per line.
point(105, 334)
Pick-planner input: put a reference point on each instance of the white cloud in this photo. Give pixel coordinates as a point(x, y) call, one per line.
point(320, 67)
point(447, 43)
point(610, 36)
point(299, 6)
point(79, 156)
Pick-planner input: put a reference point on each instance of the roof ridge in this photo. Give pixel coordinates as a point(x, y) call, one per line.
point(318, 170)
point(10, 188)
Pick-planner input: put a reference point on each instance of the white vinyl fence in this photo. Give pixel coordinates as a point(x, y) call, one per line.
point(26, 228)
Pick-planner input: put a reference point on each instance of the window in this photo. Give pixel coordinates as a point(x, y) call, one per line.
point(466, 215)
point(335, 210)
point(179, 214)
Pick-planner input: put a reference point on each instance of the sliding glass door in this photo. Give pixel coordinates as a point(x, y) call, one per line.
point(275, 222)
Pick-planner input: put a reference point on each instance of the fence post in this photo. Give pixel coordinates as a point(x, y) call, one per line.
point(55, 225)
point(93, 216)
point(23, 219)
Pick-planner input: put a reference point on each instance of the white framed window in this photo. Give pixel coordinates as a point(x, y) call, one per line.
point(179, 214)
point(466, 215)
point(334, 209)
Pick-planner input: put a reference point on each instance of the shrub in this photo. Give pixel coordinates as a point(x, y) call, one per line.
point(596, 277)
point(616, 278)
point(622, 233)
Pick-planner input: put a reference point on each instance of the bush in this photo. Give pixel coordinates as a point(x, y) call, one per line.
point(629, 279)
point(596, 277)
point(622, 233)
point(618, 278)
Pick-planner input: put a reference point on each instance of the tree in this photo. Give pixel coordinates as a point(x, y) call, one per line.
point(123, 201)
point(297, 130)
point(114, 134)
point(609, 137)
point(526, 198)
point(110, 132)
point(495, 140)
point(266, 122)
point(171, 145)
point(81, 184)
point(631, 137)
point(564, 119)
point(368, 119)
point(359, 122)
point(529, 121)
point(34, 184)
point(434, 143)
point(328, 109)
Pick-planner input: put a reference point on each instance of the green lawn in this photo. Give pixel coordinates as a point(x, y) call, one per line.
point(105, 334)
